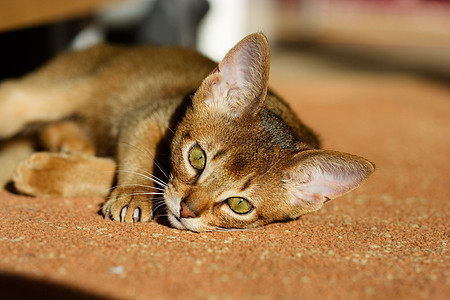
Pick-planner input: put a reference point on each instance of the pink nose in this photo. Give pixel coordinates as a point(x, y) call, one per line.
point(185, 211)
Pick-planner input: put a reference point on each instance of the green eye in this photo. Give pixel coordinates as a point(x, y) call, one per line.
point(197, 158)
point(239, 205)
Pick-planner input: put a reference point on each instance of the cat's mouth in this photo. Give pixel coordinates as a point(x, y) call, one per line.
point(191, 224)
point(173, 206)
point(176, 221)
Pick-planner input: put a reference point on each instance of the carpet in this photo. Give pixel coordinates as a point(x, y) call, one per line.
point(386, 240)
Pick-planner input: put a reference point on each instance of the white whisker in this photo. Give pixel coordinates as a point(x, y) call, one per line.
point(145, 193)
point(270, 168)
point(157, 207)
point(153, 176)
point(149, 156)
point(161, 169)
point(149, 176)
point(152, 179)
point(170, 129)
point(138, 185)
point(163, 215)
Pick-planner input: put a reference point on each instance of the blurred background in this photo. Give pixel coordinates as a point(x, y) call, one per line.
point(379, 35)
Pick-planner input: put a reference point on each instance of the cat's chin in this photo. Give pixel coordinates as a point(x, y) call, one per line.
point(175, 222)
point(191, 224)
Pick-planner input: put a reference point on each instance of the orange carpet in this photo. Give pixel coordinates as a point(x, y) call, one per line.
point(386, 240)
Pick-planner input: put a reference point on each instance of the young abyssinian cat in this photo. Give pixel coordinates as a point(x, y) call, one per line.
point(238, 157)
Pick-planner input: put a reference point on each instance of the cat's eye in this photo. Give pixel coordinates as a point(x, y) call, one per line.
point(239, 205)
point(197, 158)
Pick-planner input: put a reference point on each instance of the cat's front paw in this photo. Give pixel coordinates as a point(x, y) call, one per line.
point(128, 205)
point(64, 175)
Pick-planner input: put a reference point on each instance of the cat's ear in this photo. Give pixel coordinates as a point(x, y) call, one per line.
point(238, 86)
point(316, 176)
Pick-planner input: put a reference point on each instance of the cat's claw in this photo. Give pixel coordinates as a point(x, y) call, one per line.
point(123, 213)
point(107, 213)
point(136, 214)
point(125, 206)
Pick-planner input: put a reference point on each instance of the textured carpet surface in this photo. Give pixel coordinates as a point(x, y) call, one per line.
point(386, 240)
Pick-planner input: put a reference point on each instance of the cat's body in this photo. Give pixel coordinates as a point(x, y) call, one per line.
point(239, 156)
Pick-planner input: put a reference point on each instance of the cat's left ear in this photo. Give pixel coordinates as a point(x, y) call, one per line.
point(239, 84)
point(316, 176)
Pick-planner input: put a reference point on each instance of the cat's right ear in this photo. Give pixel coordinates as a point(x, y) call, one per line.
point(239, 84)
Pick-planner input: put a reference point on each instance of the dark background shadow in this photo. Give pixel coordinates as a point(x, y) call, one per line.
point(14, 286)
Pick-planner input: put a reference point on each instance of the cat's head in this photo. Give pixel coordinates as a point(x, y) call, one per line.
point(236, 164)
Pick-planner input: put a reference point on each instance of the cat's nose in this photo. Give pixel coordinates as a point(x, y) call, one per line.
point(185, 211)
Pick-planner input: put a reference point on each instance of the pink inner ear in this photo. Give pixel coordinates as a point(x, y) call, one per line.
point(236, 71)
point(320, 175)
point(323, 187)
point(239, 84)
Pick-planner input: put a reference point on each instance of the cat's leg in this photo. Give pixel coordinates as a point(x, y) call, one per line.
point(72, 170)
point(25, 101)
point(137, 186)
point(12, 152)
point(46, 174)
point(66, 136)
point(54, 91)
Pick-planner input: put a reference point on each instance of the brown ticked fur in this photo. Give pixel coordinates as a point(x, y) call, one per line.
point(135, 105)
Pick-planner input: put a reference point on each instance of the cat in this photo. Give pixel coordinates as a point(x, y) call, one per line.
point(209, 143)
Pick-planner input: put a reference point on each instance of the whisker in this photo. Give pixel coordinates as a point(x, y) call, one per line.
point(160, 190)
point(152, 175)
point(158, 204)
point(161, 169)
point(148, 154)
point(152, 178)
point(141, 149)
point(145, 193)
point(268, 170)
point(149, 176)
point(137, 185)
point(163, 215)
point(170, 129)
point(156, 208)
point(159, 201)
